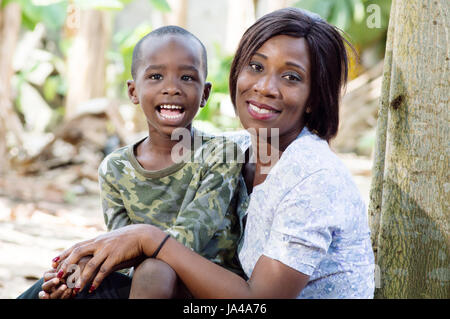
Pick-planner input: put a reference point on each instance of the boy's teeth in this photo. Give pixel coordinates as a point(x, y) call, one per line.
point(171, 116)
point(260, 110)
point(170, 107)
point(171, 111)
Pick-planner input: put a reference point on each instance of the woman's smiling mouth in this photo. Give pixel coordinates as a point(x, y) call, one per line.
point(262, 111)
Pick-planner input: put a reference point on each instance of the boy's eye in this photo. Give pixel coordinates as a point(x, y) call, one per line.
point(257, 67)
point(292, 77)
point(155, 76)
point(187, 78)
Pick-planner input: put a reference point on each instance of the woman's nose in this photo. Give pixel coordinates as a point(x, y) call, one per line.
point(267, 86)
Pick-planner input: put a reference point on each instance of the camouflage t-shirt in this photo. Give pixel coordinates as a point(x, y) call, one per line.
point(194, 200)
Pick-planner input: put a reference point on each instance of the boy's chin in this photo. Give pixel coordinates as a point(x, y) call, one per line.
point(175, 132)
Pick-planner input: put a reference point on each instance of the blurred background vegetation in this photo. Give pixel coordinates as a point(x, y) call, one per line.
point(63, 105)
point(72, 58)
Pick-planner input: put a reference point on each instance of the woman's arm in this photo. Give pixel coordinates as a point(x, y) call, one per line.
point(270, 278)
point(204, 279)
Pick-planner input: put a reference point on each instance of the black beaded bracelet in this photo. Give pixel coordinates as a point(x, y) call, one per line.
point(160, 246)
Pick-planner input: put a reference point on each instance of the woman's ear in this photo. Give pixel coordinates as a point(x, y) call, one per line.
point(206, 93)
point(132, 92)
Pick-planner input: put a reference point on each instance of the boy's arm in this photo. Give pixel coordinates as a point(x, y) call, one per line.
point(114, 211)
point(200, 219)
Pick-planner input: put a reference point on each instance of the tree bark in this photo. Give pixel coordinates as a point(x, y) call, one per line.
point(240, 16)
point(178, 13)
point(10, 18)
point(86, 61)
point(409, 211)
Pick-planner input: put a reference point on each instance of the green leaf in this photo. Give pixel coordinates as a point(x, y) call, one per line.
point(50, 88)
point(160, 5)
point(322, 8)
point(100, 4)
point(51, 15)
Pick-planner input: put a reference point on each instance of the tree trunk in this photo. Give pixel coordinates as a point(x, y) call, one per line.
point(86, 61)
point(241, 15)
point(409, 208)
point(178, 13)
point(10, 18)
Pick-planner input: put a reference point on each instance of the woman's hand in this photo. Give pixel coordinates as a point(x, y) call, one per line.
point(56, 288)
point(111, 251)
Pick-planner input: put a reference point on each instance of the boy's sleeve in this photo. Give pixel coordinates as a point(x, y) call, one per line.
point(200, 219)
point(114, 211)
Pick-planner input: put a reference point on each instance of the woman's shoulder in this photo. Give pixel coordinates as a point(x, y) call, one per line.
point(309, 153)
point(309, 158)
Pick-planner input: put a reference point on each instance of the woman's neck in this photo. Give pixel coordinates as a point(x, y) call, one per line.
point(266, 153)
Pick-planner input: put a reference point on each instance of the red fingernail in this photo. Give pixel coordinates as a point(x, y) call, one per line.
point(56, 259)
point(76, 290)
point(91, 289)
point(60, 274)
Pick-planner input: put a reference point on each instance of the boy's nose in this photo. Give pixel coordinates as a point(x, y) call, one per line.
point(171, 89)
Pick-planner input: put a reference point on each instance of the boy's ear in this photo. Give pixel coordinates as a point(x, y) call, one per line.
point(132, 92)
point(206, 93)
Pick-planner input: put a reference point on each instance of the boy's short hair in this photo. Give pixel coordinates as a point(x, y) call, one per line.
point(162, 31)
point(329, 62)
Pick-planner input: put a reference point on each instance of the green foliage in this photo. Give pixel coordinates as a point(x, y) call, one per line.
point(51, 15)
point(160, 5)
point(352, 16)
point(219, 69)
point(100, 4)
point(125, 41)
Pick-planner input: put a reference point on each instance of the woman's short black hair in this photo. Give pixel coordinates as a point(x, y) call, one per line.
point(329, 62)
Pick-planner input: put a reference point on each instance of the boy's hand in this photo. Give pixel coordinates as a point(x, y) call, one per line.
point(57, 288)
point(53, 287)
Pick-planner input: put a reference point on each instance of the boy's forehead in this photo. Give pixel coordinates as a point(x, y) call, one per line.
point(164, 45)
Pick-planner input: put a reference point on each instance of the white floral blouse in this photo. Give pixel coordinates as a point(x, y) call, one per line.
point(309, 215)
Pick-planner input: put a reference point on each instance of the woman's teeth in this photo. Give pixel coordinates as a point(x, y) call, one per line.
point(261, 110)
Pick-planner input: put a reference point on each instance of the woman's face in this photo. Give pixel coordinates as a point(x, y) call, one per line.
point(272, 90)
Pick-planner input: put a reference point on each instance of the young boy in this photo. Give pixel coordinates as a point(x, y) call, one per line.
point(193, 201)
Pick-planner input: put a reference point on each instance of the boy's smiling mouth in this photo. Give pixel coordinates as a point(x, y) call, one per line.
point(170, 113)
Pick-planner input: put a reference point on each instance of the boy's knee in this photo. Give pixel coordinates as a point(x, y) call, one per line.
point(154, 279)
point(151, 268)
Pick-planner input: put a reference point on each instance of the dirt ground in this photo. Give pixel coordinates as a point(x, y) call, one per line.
point(37, 224)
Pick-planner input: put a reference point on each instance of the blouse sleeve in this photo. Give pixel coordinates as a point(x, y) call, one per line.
point(301, 232)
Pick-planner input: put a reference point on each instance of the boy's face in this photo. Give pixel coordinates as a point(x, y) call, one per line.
point(169, 83)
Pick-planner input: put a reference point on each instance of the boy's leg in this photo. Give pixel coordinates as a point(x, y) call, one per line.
point(154, 279)
point(114, 286)
point(33, 291)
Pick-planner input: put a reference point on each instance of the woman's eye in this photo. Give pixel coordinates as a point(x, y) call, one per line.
point(256, 66)
point(155, 76)
point(292, 77)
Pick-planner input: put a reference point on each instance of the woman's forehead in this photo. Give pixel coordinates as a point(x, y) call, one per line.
point(287, 48)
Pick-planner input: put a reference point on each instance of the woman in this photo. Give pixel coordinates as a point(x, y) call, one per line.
point(306, 233)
